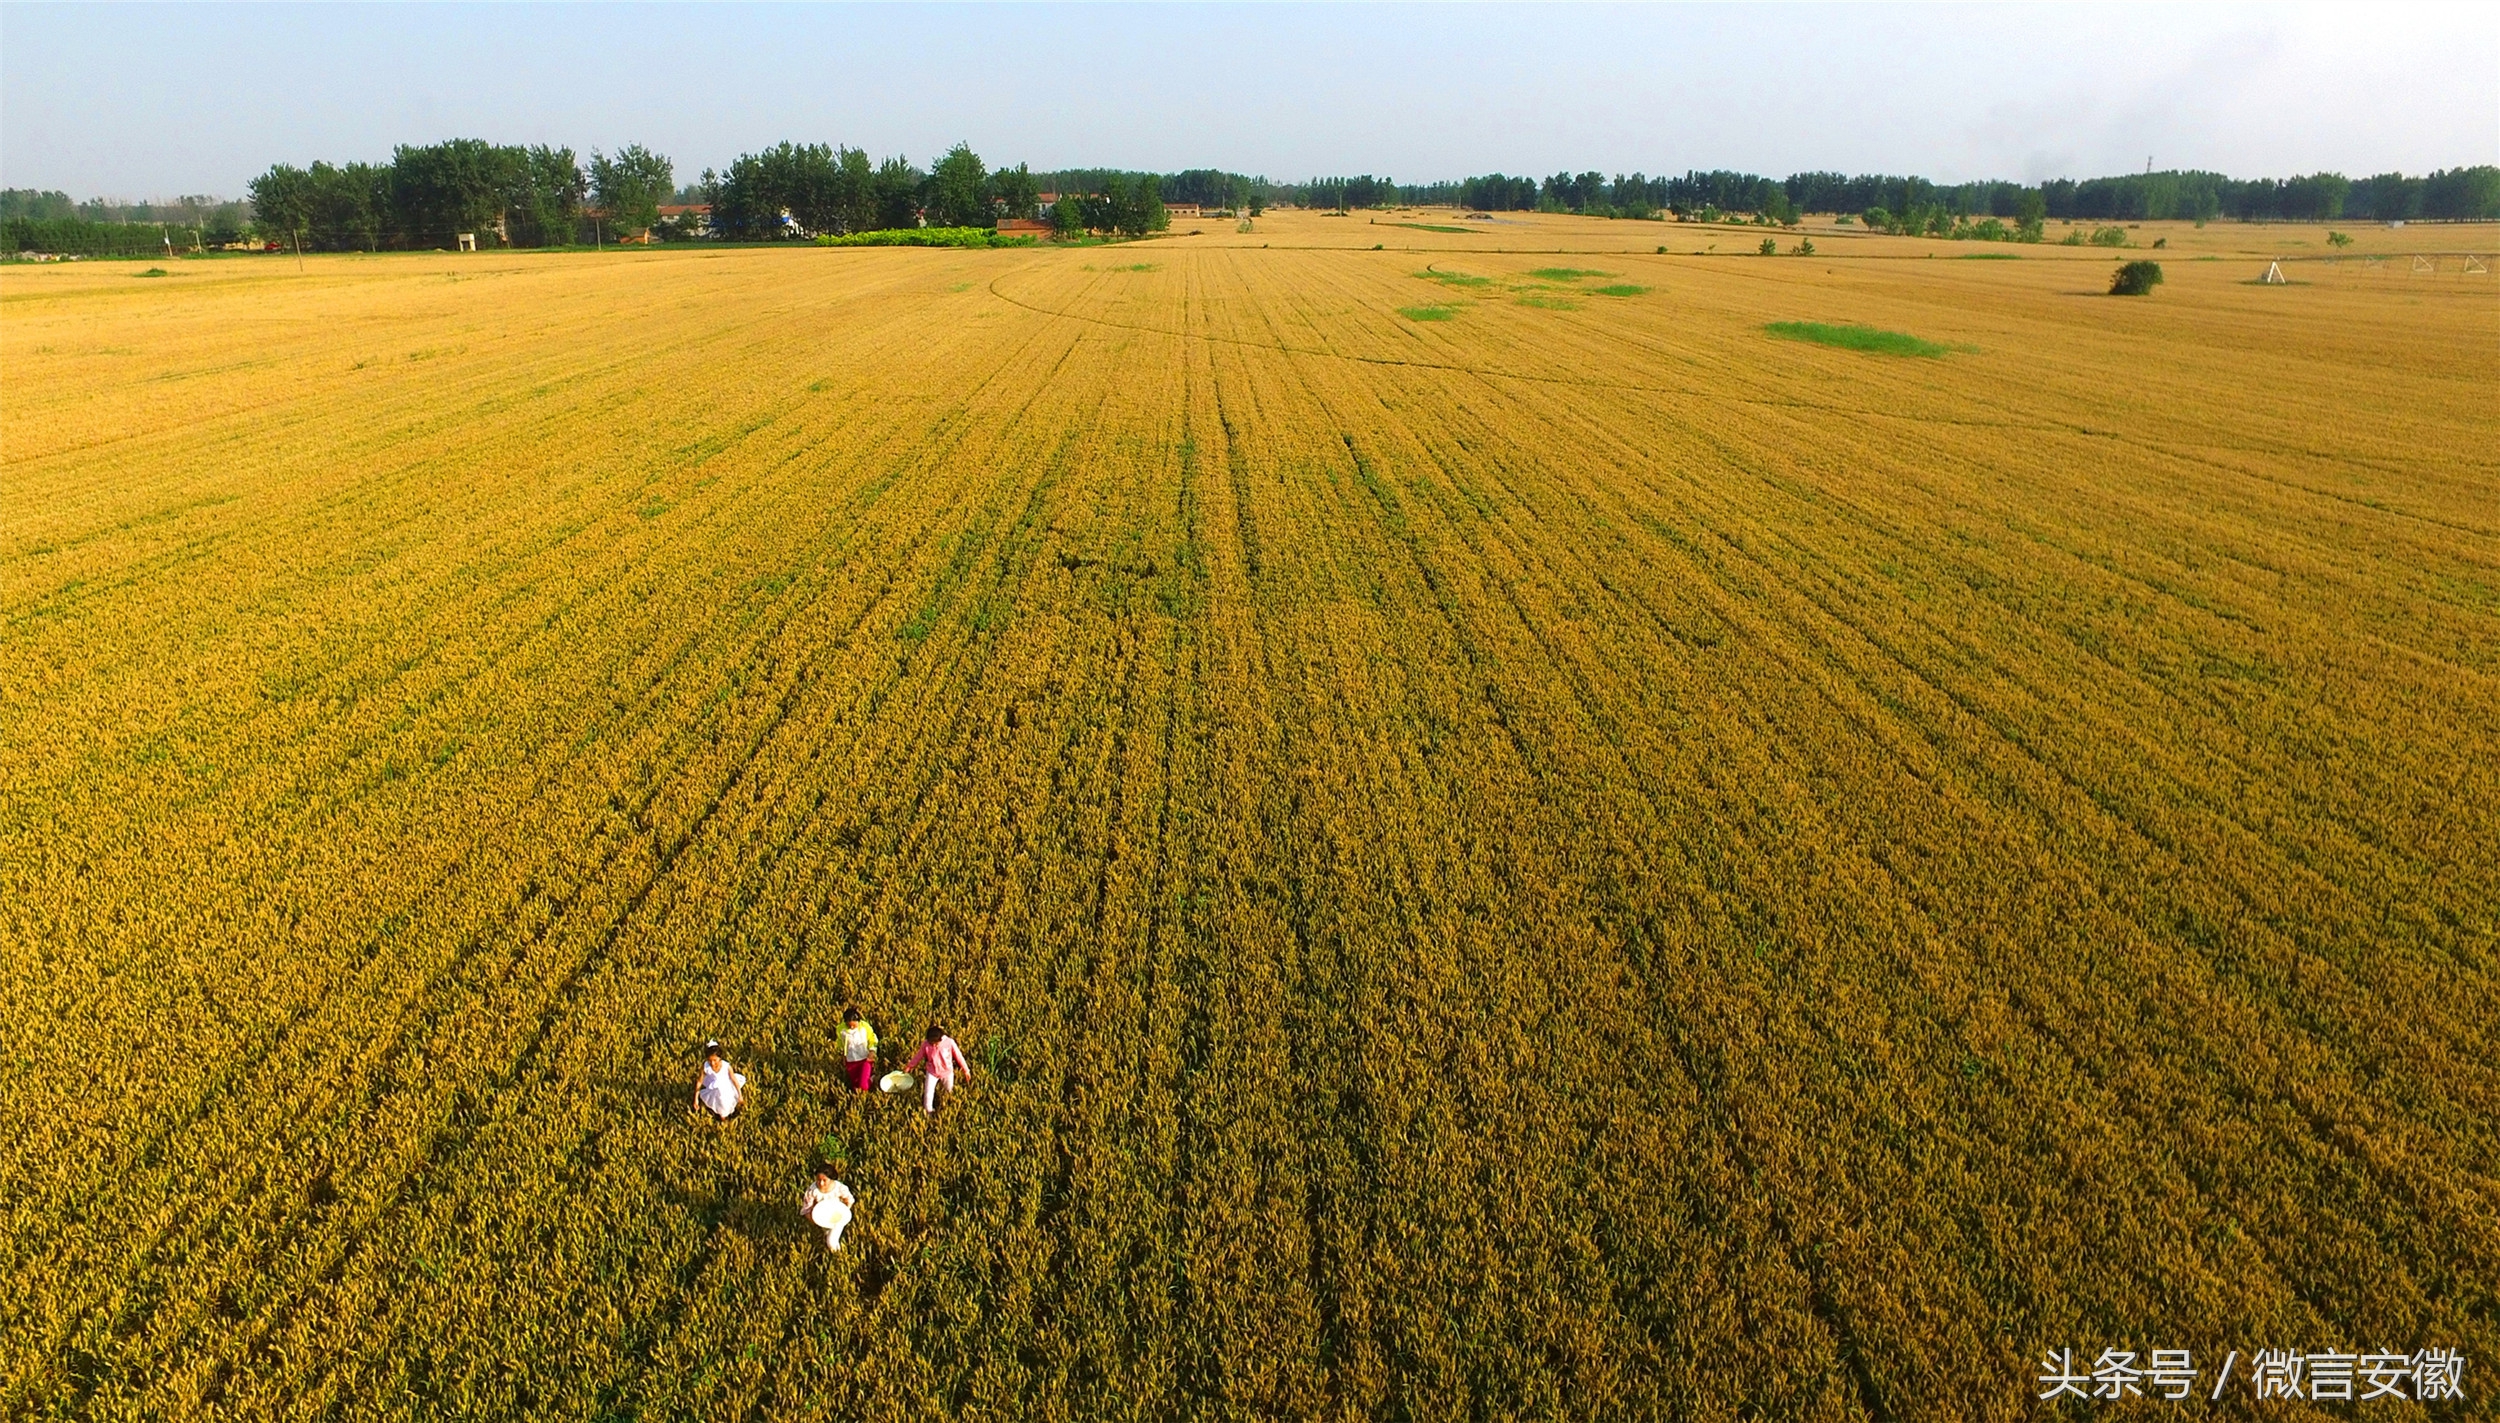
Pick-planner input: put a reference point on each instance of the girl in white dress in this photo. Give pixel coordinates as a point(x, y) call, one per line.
point(827, 1205)
point(717, 1091)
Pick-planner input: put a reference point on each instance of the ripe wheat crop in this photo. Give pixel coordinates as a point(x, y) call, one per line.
point(1574, 860)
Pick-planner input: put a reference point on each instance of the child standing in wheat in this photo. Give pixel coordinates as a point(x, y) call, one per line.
point(859, 1051)
point(719, 1087)
point(937, 1059)
point(827, 1206)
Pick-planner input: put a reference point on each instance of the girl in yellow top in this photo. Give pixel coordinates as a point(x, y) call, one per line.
point(859, 1051)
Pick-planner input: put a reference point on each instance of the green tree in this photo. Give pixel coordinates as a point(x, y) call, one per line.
point(855, 191)
point(351, 207)
point(631, 185)
point(2135, 279)
point(1111, 210)
point(807, 184)
point(897, 190)
point(545, 200)
point(2462, 194)
point(821, 190)
point(41, 205)
point(1018, 193)
point(441, 190)
point(282, 202)
point(959, 190)
point(2319, 197)
point(2389, 197)
point(747, 199)
point(1068, 216)
point(2031, 214)
point(1145, 212)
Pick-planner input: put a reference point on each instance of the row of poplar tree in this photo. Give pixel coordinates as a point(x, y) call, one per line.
point(429, 195)
point(2466, 194)
point(808, 189)
point(815, 189)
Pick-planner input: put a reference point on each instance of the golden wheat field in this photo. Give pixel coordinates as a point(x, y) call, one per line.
point(1502, 841)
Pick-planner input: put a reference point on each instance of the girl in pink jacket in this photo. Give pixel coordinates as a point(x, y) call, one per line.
point(937, 1060)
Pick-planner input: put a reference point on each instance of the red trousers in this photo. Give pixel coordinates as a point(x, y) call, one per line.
point(863, 1074)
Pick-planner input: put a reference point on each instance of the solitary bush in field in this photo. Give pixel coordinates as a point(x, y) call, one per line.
point(2135, 279)
point(1769, 247)
point(2109, 237)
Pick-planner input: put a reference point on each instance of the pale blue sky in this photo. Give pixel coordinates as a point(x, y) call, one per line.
point(145, 101)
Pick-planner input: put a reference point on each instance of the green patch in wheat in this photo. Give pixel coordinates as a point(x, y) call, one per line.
point(1856, 338)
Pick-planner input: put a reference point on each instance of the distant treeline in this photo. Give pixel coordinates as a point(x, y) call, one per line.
point(216, 219)
point(1210, 188)
point(534, 197)
point(430, 195)
point(34, 220)
point(426, 196)
point(1129, 207)
point(802, 190)
point(2453, 194)
point(816, 189)
point(87, 238)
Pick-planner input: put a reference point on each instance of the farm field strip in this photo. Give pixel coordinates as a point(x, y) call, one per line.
point(2298, 411)
point(1700, 873)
